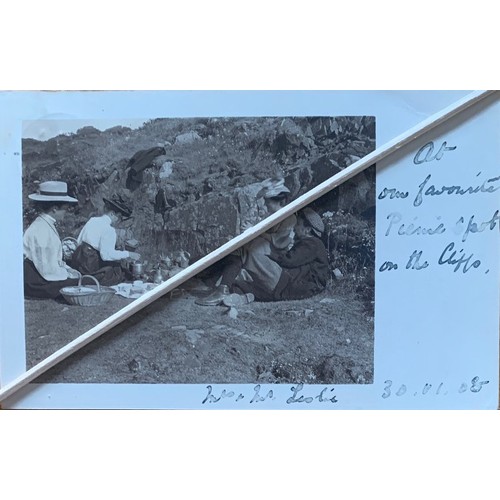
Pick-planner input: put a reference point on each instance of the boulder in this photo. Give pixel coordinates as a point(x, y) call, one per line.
point(322, 169)
point(290, 141)
point(187, 138)
point(166, 169)
point(202, 225)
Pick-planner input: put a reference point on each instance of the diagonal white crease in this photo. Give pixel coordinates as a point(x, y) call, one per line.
point(240, 240)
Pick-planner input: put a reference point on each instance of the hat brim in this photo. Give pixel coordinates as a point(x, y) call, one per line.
point(126, 212)
point(44, 197)
point(276, 192)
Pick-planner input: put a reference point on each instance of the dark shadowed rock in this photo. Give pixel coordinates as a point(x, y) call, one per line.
point(201, 226)
point(322, 169)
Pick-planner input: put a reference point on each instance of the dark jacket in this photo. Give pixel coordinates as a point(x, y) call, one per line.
point(305, 269)
point(138, 163)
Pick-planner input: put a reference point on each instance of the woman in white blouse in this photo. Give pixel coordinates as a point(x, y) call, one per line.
point(96, 253)
point(45, 272)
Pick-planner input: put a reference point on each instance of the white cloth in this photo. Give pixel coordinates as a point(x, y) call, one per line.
point(101, 235)
point(42, 245)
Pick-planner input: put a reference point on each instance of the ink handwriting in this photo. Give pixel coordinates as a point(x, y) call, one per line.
point(392, 193)
point(431, 389)
point(403, 223)
point(321, 397)
point(414, 261)
point(452, 258)
point(411, 229)
point(300, 395)
point(487, 186)
point(474, 227)
point(428, 149)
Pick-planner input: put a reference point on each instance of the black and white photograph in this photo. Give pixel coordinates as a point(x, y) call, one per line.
point(111, 211)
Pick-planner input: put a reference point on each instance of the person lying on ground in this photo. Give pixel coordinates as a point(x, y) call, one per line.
point(96, 254)
point(253, 260)
point(45, 271)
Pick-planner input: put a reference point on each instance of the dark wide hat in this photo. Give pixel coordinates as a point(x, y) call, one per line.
point(117, 204)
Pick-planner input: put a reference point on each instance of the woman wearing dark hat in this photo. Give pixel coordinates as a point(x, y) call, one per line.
point(305, 268)
point(96, 253)
point(45, 272)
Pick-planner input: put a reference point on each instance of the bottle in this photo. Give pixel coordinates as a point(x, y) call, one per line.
point(157, 276)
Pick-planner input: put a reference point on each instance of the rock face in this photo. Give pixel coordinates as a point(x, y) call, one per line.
point(200, 187)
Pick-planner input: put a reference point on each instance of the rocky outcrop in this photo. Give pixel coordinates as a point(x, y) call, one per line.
point(200, 186)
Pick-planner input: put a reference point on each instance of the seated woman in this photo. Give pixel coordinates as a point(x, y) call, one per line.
point(45, 272)
point(305, 268)
point(96, 253)
point(253, 261)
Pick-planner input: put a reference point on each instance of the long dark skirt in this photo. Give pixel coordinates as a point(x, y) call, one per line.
point(256, 287)
point(87, 260)
point(292, 285)
point(37, 287)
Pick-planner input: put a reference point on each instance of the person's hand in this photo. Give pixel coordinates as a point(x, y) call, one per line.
point(135, 255)
point(73, 273)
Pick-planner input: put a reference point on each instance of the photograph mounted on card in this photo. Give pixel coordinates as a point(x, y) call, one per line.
point(148, 201)
point(336, 250)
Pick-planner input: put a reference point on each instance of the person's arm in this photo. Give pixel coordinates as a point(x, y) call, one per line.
point(107, 245)
point(72, 273)
point(302, 253)
point(46, 254)
point(282, 235)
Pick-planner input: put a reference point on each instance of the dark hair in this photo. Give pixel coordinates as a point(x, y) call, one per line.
point(47, 206)
point(279, 197)
point(304, 220)
point(109, 209)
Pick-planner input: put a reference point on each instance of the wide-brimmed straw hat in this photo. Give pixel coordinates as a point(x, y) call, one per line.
point(53, 191)
point(273, 187)
point(314, 220)
point(117, 204)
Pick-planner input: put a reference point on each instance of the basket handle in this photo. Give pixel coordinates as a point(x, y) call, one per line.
point(92, 278)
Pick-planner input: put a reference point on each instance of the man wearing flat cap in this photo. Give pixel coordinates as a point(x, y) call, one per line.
point(96, 253)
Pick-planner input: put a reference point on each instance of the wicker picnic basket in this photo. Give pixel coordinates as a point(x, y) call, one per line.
point(88, 295)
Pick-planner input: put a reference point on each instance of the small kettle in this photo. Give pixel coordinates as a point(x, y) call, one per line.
point(136, 269)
